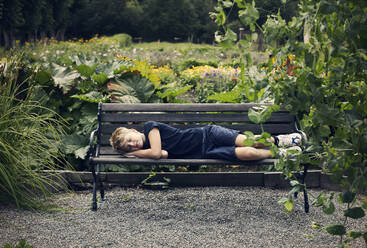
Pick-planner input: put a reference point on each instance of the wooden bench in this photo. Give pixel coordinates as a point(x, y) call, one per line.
point(234, 116)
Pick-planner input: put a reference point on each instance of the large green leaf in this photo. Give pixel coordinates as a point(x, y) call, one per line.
point(232, 96)
point(43, 77)
point(111, 68)
point(85, 70)
point(63, 77)
point(132, 89)
point(82, 59)
point(100, 78)
point(75, 144)
point(347, 197)
point(336, 229)
point(249, 15)
point(82, 152)
point(354, 234)
point(354, 213)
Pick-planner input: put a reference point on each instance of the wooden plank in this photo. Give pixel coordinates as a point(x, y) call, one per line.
point(270, 128)
point(108, 150)
point(178, 107)
point(191, 179)
point(117, 159)
point(279, 118)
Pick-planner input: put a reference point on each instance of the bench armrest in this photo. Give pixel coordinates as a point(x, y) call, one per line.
point(91, 147)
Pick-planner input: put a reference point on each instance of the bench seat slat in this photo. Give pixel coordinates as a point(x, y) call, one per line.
point(178, 107)
point(117, 159)
point(279, 118)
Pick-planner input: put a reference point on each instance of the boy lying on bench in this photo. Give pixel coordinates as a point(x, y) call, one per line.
point(159, 140)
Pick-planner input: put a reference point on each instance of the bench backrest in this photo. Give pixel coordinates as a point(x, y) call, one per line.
point(235, 116)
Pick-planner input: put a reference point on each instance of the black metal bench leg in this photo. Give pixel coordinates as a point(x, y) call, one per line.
point(307, 206)
point(305, 195)
point(101, 187)
point(95, 180)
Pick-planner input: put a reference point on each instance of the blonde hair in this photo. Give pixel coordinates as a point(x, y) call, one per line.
point(117, 139)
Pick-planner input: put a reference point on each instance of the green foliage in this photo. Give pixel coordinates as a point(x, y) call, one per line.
point(317, 70)
point(22, 244)
point(30, 136)
point(74, 85)
point(335, 229)
point(261, 115)
point(188, 64)
point(133, 89)
point(170, 92)
point(124, 40)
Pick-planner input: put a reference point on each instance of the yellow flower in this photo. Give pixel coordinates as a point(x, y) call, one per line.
point(273, 60)
point(291, 57)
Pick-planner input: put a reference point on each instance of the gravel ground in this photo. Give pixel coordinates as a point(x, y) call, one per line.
point(179, 217)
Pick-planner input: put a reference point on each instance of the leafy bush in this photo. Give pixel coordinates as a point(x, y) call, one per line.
point(207, 80)
point(29, 137)
point(188, 64)
point(124, 40)
point(321, 77)
point(74, 87)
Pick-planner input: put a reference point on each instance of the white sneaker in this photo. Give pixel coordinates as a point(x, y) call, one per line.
point(286, 140)
point(290, 152)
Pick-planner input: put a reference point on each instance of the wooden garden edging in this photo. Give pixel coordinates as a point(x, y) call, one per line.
point(84, 179)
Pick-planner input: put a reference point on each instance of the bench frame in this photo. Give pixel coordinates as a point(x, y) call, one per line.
point(112, 115)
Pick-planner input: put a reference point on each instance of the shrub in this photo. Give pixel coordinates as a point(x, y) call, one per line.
point(124, 40)
point(188, 64)
point(29, 138)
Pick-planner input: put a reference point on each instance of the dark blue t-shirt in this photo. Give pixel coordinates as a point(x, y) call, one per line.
point(178, 143)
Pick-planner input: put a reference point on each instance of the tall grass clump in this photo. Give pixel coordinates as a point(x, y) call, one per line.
point(29, 137)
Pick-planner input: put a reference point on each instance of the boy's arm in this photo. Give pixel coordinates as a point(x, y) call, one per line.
point(143, 154)
point(155, 151)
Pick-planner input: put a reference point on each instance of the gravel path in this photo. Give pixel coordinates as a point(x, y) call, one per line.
point(180, 217)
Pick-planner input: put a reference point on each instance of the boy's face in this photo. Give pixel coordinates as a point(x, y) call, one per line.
point(134, 140)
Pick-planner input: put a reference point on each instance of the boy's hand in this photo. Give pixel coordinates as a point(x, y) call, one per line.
point(130, 155)
point(164, 154)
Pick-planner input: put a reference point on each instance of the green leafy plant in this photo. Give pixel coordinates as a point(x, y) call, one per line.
point(22, 244)
point(348, 200)
point(317, 70)
point(30, 136)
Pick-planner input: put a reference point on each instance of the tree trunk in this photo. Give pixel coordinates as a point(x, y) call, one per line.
point(6, 39)
point(60, 35)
